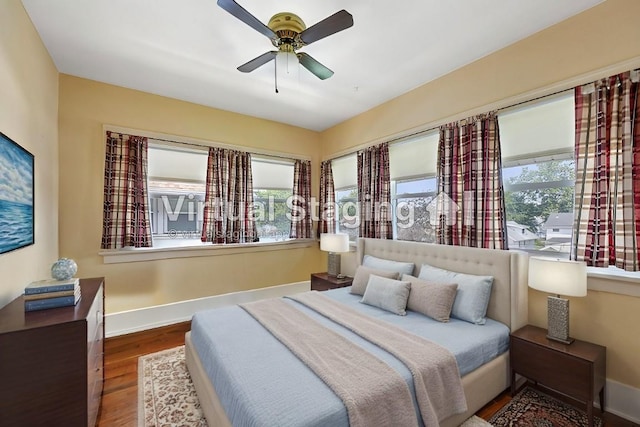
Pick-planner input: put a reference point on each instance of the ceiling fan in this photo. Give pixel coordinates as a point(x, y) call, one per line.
point(289, 33)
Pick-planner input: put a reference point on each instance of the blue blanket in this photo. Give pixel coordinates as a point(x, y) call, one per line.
point(260, 383)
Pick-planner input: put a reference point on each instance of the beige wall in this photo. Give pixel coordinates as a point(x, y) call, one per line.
point(605, 35)
point(84, 107)
point(29, 116)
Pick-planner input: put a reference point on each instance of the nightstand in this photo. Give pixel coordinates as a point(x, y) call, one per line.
point(324, 282)
point(577, 369)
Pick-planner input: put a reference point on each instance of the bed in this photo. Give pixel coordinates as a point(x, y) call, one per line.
point(277, 379)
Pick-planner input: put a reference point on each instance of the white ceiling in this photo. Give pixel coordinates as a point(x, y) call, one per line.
point(189, 49)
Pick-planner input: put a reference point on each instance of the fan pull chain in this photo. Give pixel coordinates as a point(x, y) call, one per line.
point(276, 74)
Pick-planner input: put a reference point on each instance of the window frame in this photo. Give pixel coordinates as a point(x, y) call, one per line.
point(195, 247)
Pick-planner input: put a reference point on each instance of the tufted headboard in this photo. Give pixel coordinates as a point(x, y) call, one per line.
point(508, 303)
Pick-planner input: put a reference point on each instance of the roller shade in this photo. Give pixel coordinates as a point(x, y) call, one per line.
point(541, 127)
point(345, 171)
point(271, 175)
point(414, 157)
point(175, 164)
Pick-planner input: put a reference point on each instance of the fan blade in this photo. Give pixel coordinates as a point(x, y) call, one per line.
point(239, 12)
point(314, 66)
point(257, 62)
point(337, 22)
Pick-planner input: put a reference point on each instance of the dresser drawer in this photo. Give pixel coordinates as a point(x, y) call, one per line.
point(561, 372)
point(95, 316)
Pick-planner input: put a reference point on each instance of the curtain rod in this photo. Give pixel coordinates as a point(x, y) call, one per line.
point(435, 127)
point(198, 143)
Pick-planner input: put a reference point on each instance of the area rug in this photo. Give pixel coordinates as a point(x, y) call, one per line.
point(166, 396)
point(531, 407)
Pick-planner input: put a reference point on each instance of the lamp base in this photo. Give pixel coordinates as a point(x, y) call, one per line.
point(333, 268)
point(569, 341)
point(558, 319)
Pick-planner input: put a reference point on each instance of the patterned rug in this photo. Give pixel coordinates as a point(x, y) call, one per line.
point(166, 396)
point(531, 407)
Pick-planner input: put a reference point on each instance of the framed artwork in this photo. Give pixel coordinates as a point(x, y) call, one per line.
point(16, 196)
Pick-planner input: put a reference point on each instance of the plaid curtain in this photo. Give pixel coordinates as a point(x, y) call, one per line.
point(374, 192)
point(470, 206)
point(327, 214)
point(607, 203)
point(301, 208)
point(126, 201)
point(228, 203)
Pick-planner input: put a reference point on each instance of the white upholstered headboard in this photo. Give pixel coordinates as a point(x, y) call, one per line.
point(508, 303)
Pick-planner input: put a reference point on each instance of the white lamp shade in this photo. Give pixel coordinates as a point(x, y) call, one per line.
point(558, 276)
point(334, 242)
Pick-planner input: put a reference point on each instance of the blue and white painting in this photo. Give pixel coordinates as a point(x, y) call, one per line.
point(16, 196)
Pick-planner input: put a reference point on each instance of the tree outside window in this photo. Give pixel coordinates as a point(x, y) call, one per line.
point(537, 195)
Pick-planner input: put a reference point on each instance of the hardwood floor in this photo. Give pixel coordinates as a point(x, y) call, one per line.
point(119, 406)
point(120, 395)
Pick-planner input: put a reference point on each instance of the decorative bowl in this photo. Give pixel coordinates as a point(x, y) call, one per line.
point(64, 269)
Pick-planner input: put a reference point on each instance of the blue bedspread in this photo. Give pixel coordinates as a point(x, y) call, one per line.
point(260, 383)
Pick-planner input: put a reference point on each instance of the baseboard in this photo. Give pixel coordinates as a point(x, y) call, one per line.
point(126, 322)
point(622, 400)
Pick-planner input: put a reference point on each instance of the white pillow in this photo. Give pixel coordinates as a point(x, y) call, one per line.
point(361, 278)
point(472, 298)
point(387, 294)
point(389, 265)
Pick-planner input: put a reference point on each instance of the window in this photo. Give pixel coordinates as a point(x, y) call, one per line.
point(348, 216)
point(539, 198)
point(345, 181)
point(414, 213)
point(412, 164)
point(176, 193)
point(539, 174)
point(177, 177)
point(272, 192)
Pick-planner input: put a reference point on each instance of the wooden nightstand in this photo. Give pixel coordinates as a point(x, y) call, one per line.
point(577, 370)
point(324, 282)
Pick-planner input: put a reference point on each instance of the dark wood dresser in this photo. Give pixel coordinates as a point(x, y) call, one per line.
point(51, 361)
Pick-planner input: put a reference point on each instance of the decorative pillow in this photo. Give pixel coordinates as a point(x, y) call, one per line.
point(473, 294)
point(361, 278)
point(431, 299)
point(387, 294)
point(387, 264)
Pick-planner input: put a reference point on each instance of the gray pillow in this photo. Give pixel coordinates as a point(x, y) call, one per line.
point(431, 299)
point(361, 278)
point(387, 264)
point(387, 294)
point(473, 294)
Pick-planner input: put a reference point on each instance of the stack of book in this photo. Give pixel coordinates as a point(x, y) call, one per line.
point(51, 293)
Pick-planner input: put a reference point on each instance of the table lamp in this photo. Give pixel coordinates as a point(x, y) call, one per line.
point(334, 244)
point(560, 277)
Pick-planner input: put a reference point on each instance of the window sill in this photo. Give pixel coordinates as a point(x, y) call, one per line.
point(198, 249)
point(613, 281)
